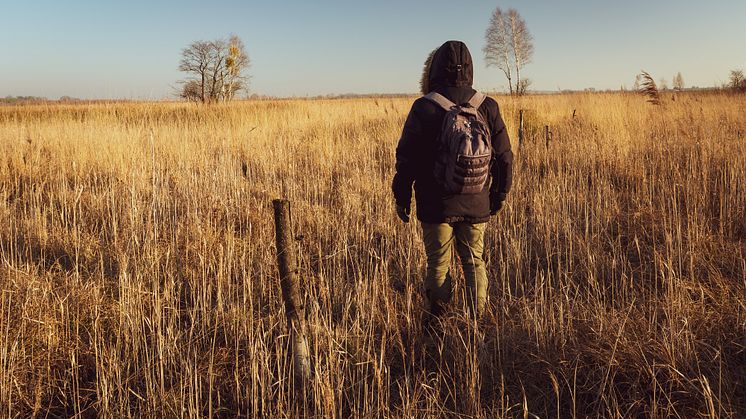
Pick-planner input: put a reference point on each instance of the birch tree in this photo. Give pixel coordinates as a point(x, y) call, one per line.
point(497, 51)
point(678, 81)
point(509, 47)
point(237, 63)
point(522, 45)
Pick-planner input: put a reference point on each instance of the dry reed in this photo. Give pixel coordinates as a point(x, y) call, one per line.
point(137, 263)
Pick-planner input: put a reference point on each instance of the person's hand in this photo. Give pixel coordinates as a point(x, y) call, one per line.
point(497, 201)
point(403, 213)
point(496, 207)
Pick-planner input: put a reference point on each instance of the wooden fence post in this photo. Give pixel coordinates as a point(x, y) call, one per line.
point(290, 292)
point(547, 134)
point(520, 128)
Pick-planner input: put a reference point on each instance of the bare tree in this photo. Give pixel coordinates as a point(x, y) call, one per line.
point(497, 51)
point(663, 84)
point(678, 81)
point(522, 44)
point(191, 90)
point(737, 81)
point(509, 46)
point(237, 63)
point(522, 86)
point(216, 70)
point(195, 60)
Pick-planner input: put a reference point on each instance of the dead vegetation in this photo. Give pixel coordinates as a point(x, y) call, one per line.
point(137, 271)
point(649, 89)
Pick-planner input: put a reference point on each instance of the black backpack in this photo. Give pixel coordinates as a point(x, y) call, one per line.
point(462, 165)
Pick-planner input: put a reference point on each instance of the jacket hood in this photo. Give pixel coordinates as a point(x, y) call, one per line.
point(449, 65)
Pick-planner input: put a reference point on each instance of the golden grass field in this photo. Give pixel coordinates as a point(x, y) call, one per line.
point(138, 272)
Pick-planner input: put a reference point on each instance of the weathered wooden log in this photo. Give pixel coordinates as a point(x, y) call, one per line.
point(290, 292)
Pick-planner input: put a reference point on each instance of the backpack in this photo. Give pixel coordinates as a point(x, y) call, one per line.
point(464, 148)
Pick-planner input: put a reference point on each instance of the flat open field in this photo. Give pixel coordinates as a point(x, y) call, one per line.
point(138, 274)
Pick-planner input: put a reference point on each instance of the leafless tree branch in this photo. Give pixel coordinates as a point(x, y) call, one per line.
point(216, 70)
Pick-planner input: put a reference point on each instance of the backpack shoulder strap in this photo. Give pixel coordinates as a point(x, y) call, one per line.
point(477, 100)
point(440, 100)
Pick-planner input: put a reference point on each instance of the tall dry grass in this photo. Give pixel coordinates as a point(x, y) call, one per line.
point(138, 278)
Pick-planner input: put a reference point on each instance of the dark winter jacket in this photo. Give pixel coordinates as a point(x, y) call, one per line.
point(448, 71)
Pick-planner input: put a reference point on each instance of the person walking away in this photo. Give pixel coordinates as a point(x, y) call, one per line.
point(454, 148)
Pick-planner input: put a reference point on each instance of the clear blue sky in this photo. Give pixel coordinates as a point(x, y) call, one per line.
point(118, 49)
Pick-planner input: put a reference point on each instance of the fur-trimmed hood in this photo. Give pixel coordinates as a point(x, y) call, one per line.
point(448, 65)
